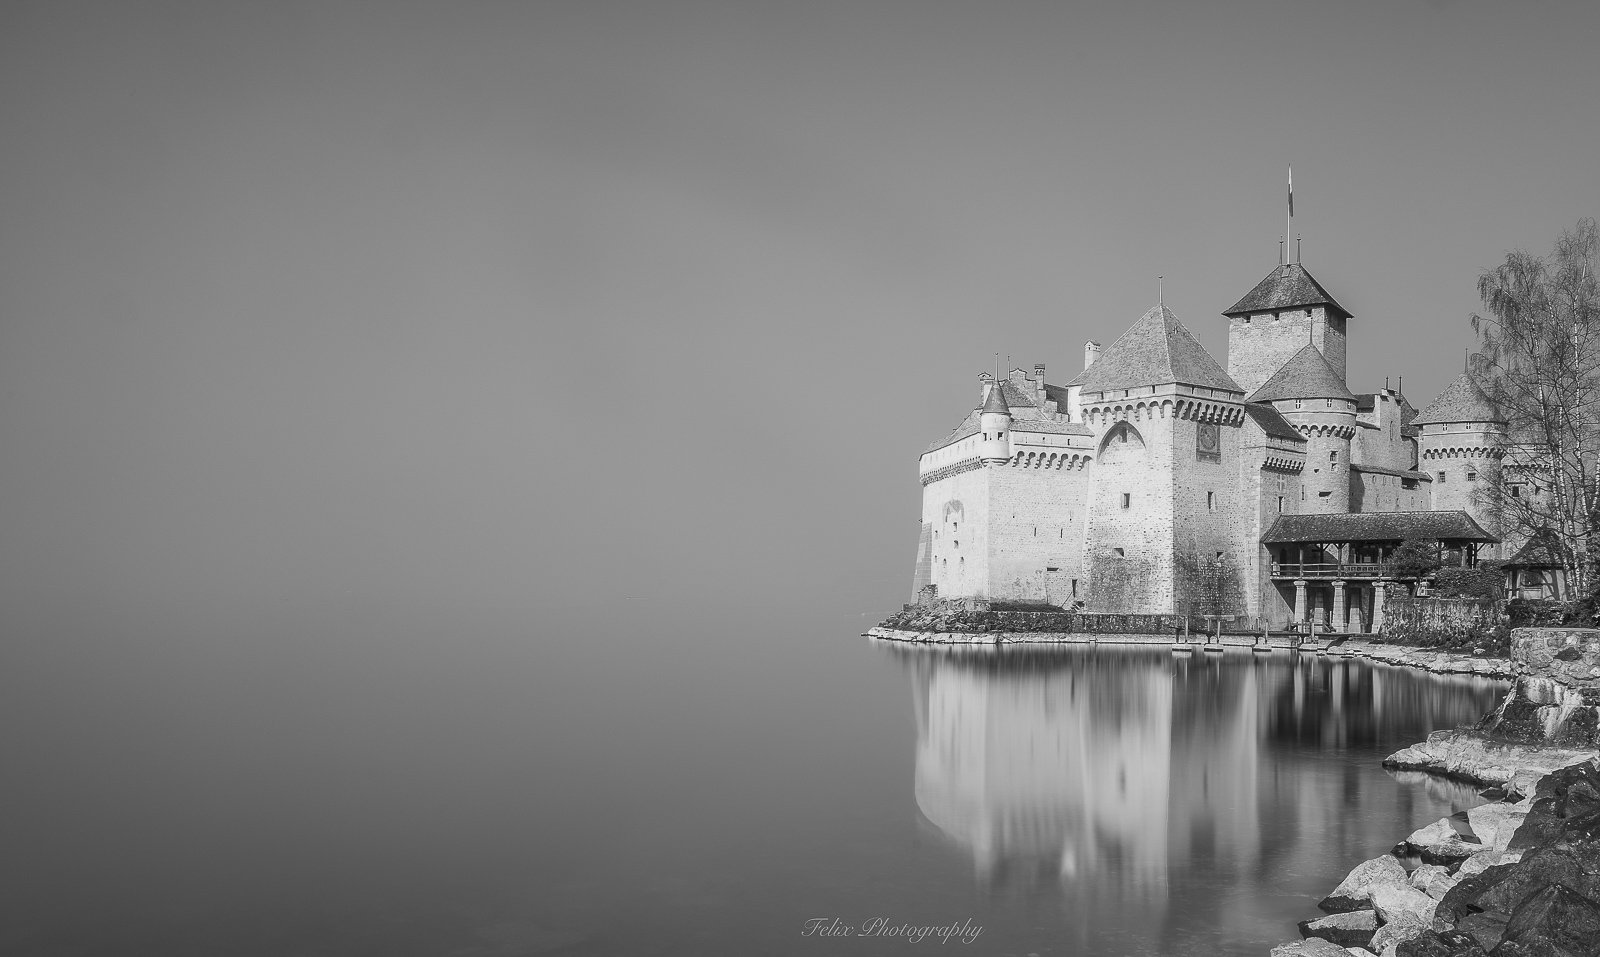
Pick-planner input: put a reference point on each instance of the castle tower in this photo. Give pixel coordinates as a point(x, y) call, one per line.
point(994, 424)
point(1311, 394)
point(1162, 536)
point(1276, 319)
point(1461, 446)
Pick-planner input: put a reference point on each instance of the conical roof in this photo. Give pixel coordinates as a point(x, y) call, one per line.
point(1155, 350)
point(995, 401)
point(1306, 375)
point(1463, 401)
point(1287, 287)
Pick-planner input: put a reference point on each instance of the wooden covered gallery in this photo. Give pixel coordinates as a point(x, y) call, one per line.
point(1336, 569)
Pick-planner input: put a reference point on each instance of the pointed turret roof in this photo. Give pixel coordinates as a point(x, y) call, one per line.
point(1156, 349)
point(1463, 401)
point(1306, 375)
point(1287, 287)
point(995, 401)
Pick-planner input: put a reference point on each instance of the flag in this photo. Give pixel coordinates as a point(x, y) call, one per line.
point(1291, 190)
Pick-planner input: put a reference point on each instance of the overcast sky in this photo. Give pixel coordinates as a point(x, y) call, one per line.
point(468, 305)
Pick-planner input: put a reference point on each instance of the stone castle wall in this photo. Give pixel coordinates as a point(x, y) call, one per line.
point(1035, 540)
point(1128, 544)
point(1259, 345)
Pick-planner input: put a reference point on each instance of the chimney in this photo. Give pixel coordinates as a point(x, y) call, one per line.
point(1091, 352)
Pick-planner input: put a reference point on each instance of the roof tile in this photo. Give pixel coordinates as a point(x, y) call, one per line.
point(1462, 401)
point(1306, 375)
point(1157, 349)
point(1286, 287)
point(1375, 527)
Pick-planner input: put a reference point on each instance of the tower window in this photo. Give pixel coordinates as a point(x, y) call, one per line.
point(1127, 499)
point(1333, 457)
point(1298, 403)
point(1280, 503)
point(1472, 476)
point(1302, 493)
point(1330, 402)
point(1211, 501)
point(1441, 478)
point(1516, 491)
point(1074, 588)
point(1052, 568)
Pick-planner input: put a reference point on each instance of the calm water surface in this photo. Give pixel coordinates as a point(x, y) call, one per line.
point(657, 778)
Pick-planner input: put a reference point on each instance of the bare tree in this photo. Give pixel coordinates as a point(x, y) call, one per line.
point(1540, 364)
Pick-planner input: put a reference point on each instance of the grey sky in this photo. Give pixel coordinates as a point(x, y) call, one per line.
point(446, 306)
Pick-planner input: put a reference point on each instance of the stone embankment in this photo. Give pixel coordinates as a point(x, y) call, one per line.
point(1006, 628)
point(1517, 877)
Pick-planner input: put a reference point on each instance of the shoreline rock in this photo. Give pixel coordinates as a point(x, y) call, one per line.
point(1521, 875)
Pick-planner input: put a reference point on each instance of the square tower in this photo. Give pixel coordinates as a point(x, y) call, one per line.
point(1279, 317)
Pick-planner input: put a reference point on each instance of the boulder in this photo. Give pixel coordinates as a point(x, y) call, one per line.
point(1494, 824)
point(1350, 929)
point(1483, 860)
point(1355, 891)
point(1423, 875)
point(1472, 757)
point(1395, 902)
point(1557, 915)
point(1486, 928)
point(1461, 899)
point(1539, 869)
point(1397, 931)
point(1440, 944)
point(1310, 947)
point(1440, 843)
point(1434, 880)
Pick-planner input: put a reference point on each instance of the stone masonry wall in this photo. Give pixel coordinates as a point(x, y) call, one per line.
point(1211, 515)
point(956, 509)
point(1140, 578)
point(1259, 345)
point(1460, 458)
point(1035, 542)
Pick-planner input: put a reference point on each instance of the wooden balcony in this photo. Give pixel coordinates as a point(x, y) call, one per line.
point(1324, 571)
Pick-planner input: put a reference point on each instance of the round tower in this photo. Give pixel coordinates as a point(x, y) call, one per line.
point(1312, 395)
point(1460, 449)
point(994, 424)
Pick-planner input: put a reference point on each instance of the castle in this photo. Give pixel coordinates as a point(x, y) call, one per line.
point(1155, 482)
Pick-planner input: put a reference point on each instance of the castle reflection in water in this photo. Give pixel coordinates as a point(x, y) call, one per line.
point(1113, 776)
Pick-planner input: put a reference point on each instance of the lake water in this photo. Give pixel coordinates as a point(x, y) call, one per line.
point(655, 778)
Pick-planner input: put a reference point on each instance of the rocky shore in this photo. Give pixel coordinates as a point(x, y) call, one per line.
point(1516, 877)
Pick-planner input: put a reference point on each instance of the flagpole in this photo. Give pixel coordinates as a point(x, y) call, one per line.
point(1288, 219)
